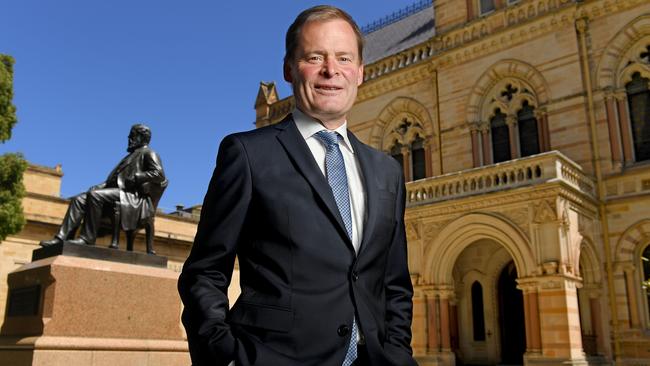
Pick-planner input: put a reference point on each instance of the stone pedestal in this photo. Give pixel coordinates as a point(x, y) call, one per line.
point(71, 310)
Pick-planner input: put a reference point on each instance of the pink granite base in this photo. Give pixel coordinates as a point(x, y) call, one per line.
point(93, 312)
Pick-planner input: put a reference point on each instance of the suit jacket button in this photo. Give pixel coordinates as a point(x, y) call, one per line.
point(343, 330)
point(355, 275)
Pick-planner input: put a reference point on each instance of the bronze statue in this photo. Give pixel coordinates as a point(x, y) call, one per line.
point(129, 196)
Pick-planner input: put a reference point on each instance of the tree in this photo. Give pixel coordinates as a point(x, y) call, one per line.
point(12, 166)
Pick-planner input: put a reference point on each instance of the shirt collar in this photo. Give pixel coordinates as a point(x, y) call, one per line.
point(308, 126)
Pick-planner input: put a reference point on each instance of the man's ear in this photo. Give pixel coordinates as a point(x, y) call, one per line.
point(287, 72)
point(360, 76)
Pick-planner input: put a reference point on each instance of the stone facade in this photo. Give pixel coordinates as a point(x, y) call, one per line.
point(544, 230)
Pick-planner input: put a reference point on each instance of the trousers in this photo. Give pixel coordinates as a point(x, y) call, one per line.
point(87, 207)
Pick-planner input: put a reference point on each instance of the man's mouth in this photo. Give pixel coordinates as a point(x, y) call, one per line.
point(328, 87)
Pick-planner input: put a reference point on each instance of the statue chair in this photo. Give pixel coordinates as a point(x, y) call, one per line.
point(154, 192)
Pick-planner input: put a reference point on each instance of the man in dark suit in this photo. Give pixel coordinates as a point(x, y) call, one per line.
point(315, 218)
point(130, 188)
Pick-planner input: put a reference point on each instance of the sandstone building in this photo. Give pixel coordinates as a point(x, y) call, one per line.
point(523, 127)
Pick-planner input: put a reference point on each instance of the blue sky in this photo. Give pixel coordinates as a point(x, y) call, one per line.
point(87, 70)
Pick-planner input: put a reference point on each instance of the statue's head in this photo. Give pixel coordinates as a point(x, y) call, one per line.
point(139, 136)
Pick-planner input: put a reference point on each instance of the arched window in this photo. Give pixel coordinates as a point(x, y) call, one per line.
point(418, 158)
point(500, 137)
point(478, 318)
point(645, 285)
point(528, 134)
point(485, 6)
point(638, 97)
point(409, 147)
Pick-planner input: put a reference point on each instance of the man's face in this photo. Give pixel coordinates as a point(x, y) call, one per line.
point(326, 70)
point(134, 140)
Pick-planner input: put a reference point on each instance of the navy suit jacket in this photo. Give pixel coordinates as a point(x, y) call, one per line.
point(302, 284)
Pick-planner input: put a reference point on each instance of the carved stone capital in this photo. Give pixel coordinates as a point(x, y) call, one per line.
point(581, 25)
point(511, 120)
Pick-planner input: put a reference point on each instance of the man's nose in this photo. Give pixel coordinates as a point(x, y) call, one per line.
point(330, 68)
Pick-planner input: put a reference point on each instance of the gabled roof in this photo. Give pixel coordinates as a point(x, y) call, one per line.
point(399, 31)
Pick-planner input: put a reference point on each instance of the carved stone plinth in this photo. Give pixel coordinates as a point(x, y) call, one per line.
point(69, 310)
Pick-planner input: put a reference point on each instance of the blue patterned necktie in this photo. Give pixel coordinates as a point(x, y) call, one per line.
point(338, 181)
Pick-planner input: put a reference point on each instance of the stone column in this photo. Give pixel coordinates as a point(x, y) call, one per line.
point(561, 337)
point(513, 132)
point(632, 300)
point(533, 306)
point(428, 162)
point(406, 157)
point(484, 129)
point(542, 129)
point(476, 152)
point(433, 344)
point(613, 128)
point(445, 323)
point(420, 320)
point(624, 122)
point(531, 316)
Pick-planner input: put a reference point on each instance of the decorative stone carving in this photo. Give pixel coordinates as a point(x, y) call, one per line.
point(520, 216)
point(544, 211)
point(413, 230)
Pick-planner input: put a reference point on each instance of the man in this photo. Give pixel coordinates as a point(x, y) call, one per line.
point(316, 220)
point(131, 185)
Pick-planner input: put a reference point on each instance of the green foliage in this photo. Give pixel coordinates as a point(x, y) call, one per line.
point(12, 191)
point(12, 166)
point(7, 108)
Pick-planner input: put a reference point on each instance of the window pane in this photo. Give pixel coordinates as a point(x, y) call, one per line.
point(500, 138)
point(638, 97)
point(478, 319)
point(486, 6)
point(419, 165)
point(528, 137)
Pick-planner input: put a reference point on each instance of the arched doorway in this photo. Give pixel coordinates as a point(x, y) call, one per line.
point(511, 317)
point(489, 306)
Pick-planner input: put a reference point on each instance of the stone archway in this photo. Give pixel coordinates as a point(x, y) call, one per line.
point(440, 256)
point(445, 300)
point(478, 303)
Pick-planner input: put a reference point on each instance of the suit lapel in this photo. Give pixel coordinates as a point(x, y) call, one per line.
point(370, 186)
point(302, 157)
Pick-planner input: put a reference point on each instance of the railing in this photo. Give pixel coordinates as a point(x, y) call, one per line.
point(396, 16)
point(405, 58)
point(546, 167)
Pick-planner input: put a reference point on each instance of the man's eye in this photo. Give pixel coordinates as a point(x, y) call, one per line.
point(314, 58)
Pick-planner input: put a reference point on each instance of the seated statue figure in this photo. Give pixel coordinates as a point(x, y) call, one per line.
point(131, 192)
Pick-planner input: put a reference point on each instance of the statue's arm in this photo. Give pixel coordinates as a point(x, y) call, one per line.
point(98, 186)
point(152, 169)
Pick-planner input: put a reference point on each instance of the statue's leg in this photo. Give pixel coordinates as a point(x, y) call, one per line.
point(73, 217)
point(95, 201)
point(115, 221)
point(130, 238)
point(149, 231)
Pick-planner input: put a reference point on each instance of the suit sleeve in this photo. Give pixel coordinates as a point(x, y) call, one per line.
point(203, 283)
point(399, 290)
point(152, 169)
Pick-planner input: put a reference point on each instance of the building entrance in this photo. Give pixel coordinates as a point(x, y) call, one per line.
point(511, 317)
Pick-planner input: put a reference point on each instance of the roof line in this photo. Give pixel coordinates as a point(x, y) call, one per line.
point(396, 16)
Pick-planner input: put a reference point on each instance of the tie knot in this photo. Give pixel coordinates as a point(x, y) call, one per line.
point(328, 138)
